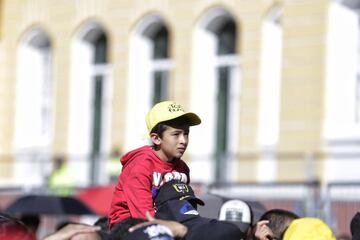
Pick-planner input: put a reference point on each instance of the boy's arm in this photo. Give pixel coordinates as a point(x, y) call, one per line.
point(137, 190)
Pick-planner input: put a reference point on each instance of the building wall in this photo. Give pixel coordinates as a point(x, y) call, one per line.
point(304, 30)
point(304, 78)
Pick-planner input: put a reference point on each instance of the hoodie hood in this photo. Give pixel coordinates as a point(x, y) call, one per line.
point(129, 156)
point(146, 152)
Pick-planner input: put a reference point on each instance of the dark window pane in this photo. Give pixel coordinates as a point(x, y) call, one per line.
point(100, 45)
point(226, 35)
point(160, 40)
point(222, 112)
point(96, 128)
point(222, 109)
point(97, 115)
point(357, 99)
point(160, 82)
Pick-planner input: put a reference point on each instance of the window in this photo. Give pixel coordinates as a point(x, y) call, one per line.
point(341, 123)
point(149, 69)
point(90, 103)
point(160, 74)
point(99, 62)
point(216, 95)
point(269, 94)
point(225, 34)
point(34, 91)
point(343, 61)
point(34, 105)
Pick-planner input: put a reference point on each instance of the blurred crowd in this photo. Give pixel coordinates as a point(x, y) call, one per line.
point(177, 218)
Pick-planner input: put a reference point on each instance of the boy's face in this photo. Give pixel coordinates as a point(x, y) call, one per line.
point(173, 142)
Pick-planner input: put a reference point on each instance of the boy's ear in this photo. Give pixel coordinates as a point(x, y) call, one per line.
point(155, 138)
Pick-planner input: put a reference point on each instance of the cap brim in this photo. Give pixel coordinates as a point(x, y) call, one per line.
point(177, 210)
point(191, 118)
point(193, 199)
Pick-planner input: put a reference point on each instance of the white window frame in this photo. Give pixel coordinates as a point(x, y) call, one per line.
point(341, 74)
point(205, 64)
point(83, 71)
point(34, 108)
point(270, 94)
point(341, 123)
point(141, 69)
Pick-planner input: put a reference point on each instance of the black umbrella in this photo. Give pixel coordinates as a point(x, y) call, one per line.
point(44, 204)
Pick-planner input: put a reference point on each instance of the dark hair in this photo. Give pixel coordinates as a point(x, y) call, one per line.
point(355, 225)
point(279, 220)
point(103, 222)
point(176, 122)
point(13, 229)
point(32, 221)
point(121, 229)
point(159, 129)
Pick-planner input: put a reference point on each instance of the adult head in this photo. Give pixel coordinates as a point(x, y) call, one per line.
point(176, 190)
point(308, 228)
point(13, 229)
point(176, 201)
point(237, 212)
point(279, 220)
point(355, 226)
point(32, 221)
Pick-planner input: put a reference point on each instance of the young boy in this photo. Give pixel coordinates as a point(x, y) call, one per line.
point(145, 169)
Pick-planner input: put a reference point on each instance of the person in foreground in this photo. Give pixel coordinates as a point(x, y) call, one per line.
point(273, 223)
point(140, 229)
point(13, 229)
point(355, 226)
point(145, 169)
point(308, 228)
point(176, 201)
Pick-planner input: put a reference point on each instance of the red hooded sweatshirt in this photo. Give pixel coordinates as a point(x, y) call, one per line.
point(142, 175)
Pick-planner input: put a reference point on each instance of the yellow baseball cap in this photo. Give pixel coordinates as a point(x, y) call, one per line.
point(168, 110)
point(308, 228)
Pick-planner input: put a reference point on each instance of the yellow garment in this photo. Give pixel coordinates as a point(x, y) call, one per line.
point(113, 167)
point(61, 182)
point(308, 229)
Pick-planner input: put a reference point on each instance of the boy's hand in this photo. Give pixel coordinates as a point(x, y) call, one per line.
point(178, 229)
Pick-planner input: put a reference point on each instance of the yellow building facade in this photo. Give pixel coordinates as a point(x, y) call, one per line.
point(99, 58)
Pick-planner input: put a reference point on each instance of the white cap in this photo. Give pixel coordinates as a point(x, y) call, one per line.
point(235, 211)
